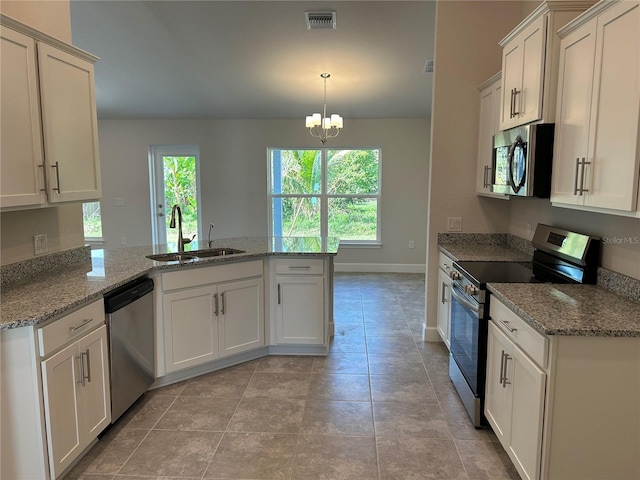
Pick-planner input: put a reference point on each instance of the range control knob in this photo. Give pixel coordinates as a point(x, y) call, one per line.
point(471, 290)
point(455, 275)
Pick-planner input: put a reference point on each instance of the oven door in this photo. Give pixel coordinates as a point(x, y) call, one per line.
point(468, 338)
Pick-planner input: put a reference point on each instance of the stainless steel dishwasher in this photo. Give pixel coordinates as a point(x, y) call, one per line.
point(130, 325)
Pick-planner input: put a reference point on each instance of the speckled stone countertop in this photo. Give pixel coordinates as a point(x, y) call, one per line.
point(475, 253)
point(50, 294)
point(583, 310)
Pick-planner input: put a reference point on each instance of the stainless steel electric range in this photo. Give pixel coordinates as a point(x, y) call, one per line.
point(560, 256)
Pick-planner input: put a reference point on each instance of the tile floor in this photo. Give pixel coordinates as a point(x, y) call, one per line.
point(380, 406)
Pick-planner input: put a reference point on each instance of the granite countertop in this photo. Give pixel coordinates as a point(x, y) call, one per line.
point(480, 253)
point(54, 293)
point(584, 310)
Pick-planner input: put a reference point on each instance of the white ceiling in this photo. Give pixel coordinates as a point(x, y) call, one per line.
point(256, 59)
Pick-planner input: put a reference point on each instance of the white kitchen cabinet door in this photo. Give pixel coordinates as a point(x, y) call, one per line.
point(69, 123)
point(444, 306)
point(522, 76)
point(240, 316)
point(596, 162)
point(514, 402)
point(190, 327)
point(490, 97)
point(498, 397)
point(300, 310)
point(63, 415)
point(575, 82)
point(96, 395)
point(22, 166)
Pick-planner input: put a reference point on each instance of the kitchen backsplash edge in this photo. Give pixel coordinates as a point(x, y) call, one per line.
point(19, 272)
point(615, 282)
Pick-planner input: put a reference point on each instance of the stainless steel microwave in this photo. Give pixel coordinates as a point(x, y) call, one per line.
point(522, 159)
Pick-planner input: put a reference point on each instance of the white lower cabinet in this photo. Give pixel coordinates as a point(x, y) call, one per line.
point(563, 407)
point(514, 401)
point(444, 298)
point(211, 312)
point(300, 302)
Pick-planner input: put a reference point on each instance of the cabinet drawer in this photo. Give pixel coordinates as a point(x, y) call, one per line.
point(445, 262)
point(299, 266)
point(70, 327)
point(194, 277)
point(534, 344)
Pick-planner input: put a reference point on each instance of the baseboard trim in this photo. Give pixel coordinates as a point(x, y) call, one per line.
point(379, 267)
point(430, 334)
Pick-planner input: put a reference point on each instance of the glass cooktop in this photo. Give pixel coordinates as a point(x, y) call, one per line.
point(499, 272)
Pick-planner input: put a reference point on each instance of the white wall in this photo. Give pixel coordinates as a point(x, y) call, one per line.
point(234, 184)
point(466, 54)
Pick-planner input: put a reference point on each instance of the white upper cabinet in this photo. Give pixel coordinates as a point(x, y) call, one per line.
point(22, 168)
point(596, 161)
point(529, 64)
point(49, 135)
point(490, 96)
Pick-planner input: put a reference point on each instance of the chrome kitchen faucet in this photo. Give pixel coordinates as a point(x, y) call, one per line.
point(172, 224)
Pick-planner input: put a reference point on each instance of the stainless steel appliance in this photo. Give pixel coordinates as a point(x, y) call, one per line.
point(560, 256)
point(522, 160)
point(130, 325)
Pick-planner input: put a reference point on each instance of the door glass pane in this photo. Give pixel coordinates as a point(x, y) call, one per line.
point(296, 171)
point(180, 189)
point(353, 218)
point(300, 216)
point(352, 171)
point(92, 220)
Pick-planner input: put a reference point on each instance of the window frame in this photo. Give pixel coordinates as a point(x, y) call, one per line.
point(324, 196)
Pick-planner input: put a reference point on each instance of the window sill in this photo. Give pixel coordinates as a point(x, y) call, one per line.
point(360, 245)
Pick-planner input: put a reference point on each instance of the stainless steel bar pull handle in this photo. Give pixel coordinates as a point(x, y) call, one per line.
point(87, 364)
point(511, 105)
point(223, 303)
point(442, 299)
point(516, 92)
point(582, 176)
point(57, 167)
point(81, 364)
point(44, 178)
point(505, 382)
point(575, 178)
point(501, 368)
point(509, 327)
point(299, 267)
point(84, 322)
point(215, 308)
point(279, 294)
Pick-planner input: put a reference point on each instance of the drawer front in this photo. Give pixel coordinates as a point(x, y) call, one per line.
point(299, 266)
point(446, 262)
point(66, 329)
point(533, 343)
point(194, 277)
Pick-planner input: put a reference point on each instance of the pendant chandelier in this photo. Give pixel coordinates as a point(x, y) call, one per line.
point(322, 126)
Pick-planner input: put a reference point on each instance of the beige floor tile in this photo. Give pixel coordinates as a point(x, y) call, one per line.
point(486, 460)
point(392, 364)
point(402, 388)
point(392, 345)
point(399, 419)
point(267, 415)
point(349, 343)
point(253, 456)
point(336, 458)
point(173, 453)
point(285, 364)
point(170, 390)
point(279, 385)
point(322, 417)
point(146, 411)
point(219, 384)
point(353, 363)
point(198, 413)
point(340, 387)
point(408, 458)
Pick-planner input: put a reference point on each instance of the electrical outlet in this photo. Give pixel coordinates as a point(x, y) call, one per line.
point(454, 224)
point(119, 201)
point(123, 240)
point(40, 244)
point(412, 244)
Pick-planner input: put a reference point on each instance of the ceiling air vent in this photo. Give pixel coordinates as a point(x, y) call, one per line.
point(320, 20)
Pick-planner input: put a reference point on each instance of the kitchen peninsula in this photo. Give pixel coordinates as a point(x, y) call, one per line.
point(276, 297)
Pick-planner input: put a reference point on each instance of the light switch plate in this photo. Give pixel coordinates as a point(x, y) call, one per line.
point(454, 224)
point(40, 243)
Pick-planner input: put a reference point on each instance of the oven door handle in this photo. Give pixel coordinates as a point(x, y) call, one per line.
point(465, 303)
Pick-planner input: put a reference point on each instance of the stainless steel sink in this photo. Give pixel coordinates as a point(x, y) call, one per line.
point(173, 257)
point(216, 252)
